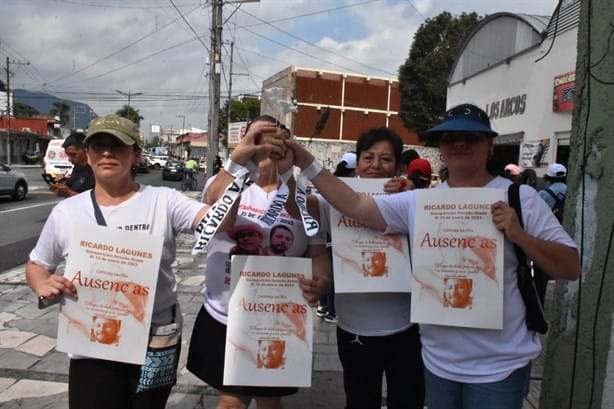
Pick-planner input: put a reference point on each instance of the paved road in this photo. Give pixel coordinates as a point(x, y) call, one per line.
point(21, 222)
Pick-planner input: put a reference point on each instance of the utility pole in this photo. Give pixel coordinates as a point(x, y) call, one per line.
point(232, 44)
point(182, 129)
point(182, 123)
point(8, 105)
point(215, 69)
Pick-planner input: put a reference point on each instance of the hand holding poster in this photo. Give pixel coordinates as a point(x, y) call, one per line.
point(366, 260)
point(457, 259)
point(270, 325)
point(115, 273)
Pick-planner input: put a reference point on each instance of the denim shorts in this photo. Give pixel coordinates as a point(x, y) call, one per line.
point(508, 393)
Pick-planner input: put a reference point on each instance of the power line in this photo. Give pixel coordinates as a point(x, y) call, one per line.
point(107, 6)
point(190, 26)
point(119, 50)
point(317, 46)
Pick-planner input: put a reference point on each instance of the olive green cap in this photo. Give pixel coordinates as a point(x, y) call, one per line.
point(122, 128)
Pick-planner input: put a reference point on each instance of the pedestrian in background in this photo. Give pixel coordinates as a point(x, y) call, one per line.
point(407, 157)
point(512, 172)
point(112, 148)
point(468, 368)
point(528, 177)
point(555, 178)
point(419, 172)
point(82, 177)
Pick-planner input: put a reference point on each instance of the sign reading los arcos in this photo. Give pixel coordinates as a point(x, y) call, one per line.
point(507, 107)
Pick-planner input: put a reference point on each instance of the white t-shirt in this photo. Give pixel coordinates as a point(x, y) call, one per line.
point(368, 314)
point(254, 202)
point(478, 355)
point(158, 211)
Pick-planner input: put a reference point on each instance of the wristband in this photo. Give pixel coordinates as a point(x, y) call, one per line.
point(235, 169)
point(314, 168)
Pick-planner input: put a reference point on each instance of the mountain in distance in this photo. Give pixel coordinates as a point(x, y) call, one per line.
point(79, 114)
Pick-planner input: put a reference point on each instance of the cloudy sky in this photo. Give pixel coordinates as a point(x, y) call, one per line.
point(87, 50)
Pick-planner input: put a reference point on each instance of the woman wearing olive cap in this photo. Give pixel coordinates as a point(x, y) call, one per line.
point(112, 146)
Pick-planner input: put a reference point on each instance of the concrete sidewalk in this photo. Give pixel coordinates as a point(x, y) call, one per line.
point(34, 375)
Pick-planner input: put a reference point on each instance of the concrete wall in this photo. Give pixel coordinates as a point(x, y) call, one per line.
point(579, 367)
point(330, 152)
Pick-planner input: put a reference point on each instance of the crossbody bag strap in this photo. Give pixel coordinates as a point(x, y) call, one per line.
point(97, 212)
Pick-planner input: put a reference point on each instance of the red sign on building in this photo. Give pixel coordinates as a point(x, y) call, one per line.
point(563, 92)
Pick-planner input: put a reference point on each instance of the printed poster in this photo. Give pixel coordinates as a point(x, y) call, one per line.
point(366, 260)
point(458, 259)
point(269, 339)
point(115, 273)
point(532, 153)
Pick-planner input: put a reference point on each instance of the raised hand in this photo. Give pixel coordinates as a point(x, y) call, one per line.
point(262, 140)
point(302, 157)
point(398, 184)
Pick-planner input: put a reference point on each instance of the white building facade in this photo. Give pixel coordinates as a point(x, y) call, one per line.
point(521, 70)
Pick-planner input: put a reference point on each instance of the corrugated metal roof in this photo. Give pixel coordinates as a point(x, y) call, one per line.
point(497, 38)
point(503, 35)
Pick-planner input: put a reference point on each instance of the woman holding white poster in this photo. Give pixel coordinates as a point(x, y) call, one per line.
point(468, 367)
point(260, 208)
point(126, 207)
point(375, 335)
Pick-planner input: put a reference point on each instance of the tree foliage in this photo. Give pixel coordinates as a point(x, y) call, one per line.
point(61, 109)
point(244, 110)
point(132, 114)
point(22, 110)
point(423, 78)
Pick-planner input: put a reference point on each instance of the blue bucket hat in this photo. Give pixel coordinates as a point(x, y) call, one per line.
point(463, 118)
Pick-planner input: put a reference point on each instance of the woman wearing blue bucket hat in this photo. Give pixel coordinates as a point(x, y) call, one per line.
point(468, 367)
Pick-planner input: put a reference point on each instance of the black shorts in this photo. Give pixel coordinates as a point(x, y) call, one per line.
point(206, 359)
point(101, 384)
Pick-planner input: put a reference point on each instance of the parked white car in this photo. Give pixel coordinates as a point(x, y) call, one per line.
point(157, 161)
point(13, 182)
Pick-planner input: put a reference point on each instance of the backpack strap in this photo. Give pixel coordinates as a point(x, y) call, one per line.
point(535, 317)
point(513, 198)
point(551, 193)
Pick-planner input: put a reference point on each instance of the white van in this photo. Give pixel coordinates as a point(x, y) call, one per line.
point(56, 162)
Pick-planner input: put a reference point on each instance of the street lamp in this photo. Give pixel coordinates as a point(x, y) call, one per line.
point(128, 94)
